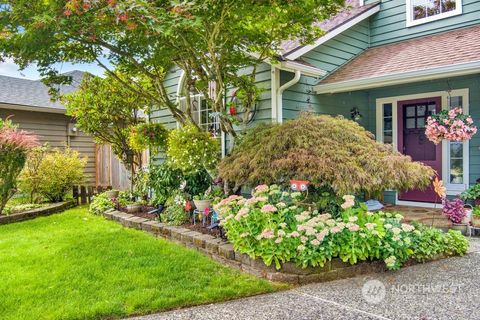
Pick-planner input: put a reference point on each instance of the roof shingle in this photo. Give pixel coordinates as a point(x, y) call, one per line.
point(439, 50)
point(33, 92)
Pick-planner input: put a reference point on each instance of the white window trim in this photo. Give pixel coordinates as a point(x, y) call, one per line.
point(412, 23)
point(452, 189)
point(179, 97)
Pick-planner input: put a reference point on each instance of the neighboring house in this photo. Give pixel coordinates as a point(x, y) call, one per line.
point(28, 104)
point(392, 63)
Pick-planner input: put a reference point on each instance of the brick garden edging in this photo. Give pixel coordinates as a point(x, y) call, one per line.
point(34, 213)
point(223, 252)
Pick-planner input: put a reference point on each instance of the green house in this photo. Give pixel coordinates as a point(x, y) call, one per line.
point(387, 65)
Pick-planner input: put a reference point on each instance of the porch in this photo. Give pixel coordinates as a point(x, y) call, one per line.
point(426, 216)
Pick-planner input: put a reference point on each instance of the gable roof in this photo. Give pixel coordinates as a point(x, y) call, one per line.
point(352, 14)
point(33, 93)
point(430, 54)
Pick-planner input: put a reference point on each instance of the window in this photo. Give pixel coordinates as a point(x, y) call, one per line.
point(387, 123)
point(455, 150)
point(202, 114)
point(423, 11)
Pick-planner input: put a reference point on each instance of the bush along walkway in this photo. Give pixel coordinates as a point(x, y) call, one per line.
point(223, 252)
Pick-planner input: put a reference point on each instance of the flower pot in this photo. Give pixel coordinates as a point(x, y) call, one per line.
point(476, 221)
point(201, 205)
point(460, 227)
point(112, 194)
point(133, 208)
point(468, 216)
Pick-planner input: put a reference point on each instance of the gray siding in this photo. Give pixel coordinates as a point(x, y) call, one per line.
point(51, 128)
point(342, 48)
point(389, 25)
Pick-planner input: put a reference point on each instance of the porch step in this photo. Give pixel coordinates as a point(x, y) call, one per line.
point(426, 216)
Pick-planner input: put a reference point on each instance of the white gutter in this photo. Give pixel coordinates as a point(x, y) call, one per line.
point(279, 95)
point(306, 70)
point(454, 70)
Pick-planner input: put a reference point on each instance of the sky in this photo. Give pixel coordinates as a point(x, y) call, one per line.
point(9, 68)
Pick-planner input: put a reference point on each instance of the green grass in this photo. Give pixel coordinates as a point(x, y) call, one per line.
point(76, 266)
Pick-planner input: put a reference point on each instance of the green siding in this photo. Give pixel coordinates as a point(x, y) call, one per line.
point(470, 82)
point(301, 98)
point(342, 48)
point(264, 109)
point(389, 25)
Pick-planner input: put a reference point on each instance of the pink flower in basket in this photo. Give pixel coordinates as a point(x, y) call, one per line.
point(451, 125)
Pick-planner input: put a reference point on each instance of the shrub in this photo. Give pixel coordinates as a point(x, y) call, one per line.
point(328, 151)
point(191, 150)
point(175, 213)
point(430, 242)
point(274, 226)
point(59, 171)
point(166, 181)
point(100, 204)
point(30, 177)
point(14, 147)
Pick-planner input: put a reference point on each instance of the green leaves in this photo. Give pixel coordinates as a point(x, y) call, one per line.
point(330, 152)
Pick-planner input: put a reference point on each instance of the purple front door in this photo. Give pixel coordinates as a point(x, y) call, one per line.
point(412, 116)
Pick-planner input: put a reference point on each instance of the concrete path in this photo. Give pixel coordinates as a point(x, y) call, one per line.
point(447, 289)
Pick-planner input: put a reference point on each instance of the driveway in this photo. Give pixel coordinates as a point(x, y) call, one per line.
point(447, 289)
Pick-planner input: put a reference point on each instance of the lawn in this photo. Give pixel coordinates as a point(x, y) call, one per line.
point(75, 266)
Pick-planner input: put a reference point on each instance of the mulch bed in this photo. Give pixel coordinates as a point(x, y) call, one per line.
point(202, 229)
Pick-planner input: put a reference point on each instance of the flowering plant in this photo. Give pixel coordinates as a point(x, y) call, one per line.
point(451, 125)
point(454, 209)
point(274, 226)
point(191, 150)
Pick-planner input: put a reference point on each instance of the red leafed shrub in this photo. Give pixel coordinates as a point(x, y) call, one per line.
point(14, 147)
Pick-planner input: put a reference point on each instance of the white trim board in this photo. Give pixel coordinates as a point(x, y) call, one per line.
point(411, 23)
point(297, 53)
point(452, 189)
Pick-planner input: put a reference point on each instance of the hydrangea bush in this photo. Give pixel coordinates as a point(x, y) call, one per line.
point(276, 227)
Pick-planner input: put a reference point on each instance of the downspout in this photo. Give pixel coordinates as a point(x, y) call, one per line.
point(284, 87)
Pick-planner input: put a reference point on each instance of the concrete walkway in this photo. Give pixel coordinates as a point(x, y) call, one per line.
point(447, 289)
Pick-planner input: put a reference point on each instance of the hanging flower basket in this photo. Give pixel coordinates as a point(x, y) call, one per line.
point(451, 125)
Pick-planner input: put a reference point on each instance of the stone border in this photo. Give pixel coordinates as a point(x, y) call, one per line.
point(34, 213)
point(223, 252)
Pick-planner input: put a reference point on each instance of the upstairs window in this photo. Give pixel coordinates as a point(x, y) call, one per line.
point(423, 11)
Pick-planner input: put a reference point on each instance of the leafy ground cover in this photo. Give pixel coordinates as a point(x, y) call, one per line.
point(75, 266)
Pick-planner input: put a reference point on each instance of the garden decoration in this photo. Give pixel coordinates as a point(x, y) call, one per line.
point(299, 185)
point(451, 125)
point(235, 108)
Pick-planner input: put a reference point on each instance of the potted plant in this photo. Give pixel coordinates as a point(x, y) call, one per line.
point(213, 195)
point(134, 207)
point(455, 211)
point(201, 203)
point(451, 125)
point(476, 216)
point(472, 193)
